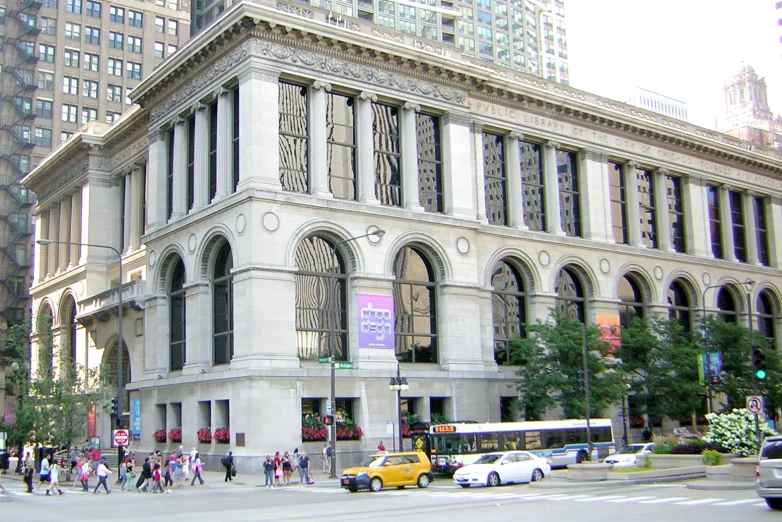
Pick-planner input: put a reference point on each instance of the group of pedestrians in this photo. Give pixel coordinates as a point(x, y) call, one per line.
point(279, 470)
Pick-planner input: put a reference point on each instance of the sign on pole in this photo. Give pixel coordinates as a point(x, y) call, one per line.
point(120, 437)
point(755, 404)
point(390, 428)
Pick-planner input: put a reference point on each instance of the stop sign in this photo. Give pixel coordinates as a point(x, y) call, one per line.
point(121, 437)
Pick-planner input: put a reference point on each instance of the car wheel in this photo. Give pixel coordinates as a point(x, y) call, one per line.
point(353, 490)
point(494, 480)
point(581, 457)
point(400, 487)
point(774, 503)
point(375, 484)
point(423, 481)
point(465, 485)
point(536, 475)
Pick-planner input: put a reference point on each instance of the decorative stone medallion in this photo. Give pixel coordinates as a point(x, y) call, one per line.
point(605, 266)
point(241, 222)
point(191, 243)
point(706, 278)
point(271, 222)
point(658, 272)
point(151, 258)
point(544, 258)
point(462, 245)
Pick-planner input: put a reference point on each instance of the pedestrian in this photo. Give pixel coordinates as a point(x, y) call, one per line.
point(83, 469)
point(46, 466)
point(296, 464)
point(129, 473)
point(54, 479)
point(304, 468)
point(29, 471)
point(146, 475)
point(156, 476)
point(197, 470)
point(329, 454)
point(287, 469)
point(228, 464)
point(103, 473)
point(324, 457)
point(381, 446)
point(74, 457)
point(268, 471)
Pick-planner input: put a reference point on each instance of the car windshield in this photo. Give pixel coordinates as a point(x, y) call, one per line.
point(373, 462)
point(630, 449)
point(488, 459)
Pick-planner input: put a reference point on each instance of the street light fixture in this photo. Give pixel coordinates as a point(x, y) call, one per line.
point(378, 233)
point(45, 242)
point(398, 384)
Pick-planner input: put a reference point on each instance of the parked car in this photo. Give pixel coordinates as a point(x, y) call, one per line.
point(411, 468)
point(769, 472)
point(508, 467)
point(629, 456)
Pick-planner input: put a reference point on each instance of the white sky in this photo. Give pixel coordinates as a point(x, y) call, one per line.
point(685, 49)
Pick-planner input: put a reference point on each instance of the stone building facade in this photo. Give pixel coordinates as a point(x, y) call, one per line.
point(260, 155)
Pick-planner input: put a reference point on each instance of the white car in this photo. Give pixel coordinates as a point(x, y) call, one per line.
point(498, 468)
point(629, 456)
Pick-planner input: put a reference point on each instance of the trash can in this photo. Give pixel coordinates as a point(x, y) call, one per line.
point(4, 456)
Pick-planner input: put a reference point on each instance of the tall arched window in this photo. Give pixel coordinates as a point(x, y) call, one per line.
point(68, 341)
point(223, 306)
point(631, 300)
point(727, 305)
point(177, 317)
point(570, 295)
point(111, 365)
point(415, 307)
point(679, 306)
point(765, 316)
point(508, 309)
point(320, 300)
point(45, 340)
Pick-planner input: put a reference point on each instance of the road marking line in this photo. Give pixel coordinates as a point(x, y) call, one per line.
point(630, 499)
point(552, 497)
point(597, 499)
point(737, 502)
point(663, 500)
point(700, 501)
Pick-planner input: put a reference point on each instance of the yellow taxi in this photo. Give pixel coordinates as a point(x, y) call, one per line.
point(409, 468)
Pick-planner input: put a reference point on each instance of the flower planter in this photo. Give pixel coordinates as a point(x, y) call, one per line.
point(588, 472)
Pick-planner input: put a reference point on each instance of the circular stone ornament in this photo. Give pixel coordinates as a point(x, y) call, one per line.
point(605, 266)
point(241, 223)
point(658, 273)
point(544, 258)
point(270, 222)
point(462, 245)
point(191, 243)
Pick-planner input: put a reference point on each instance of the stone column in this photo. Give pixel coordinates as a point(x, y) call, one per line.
point(198, 324)
point(180, 169)
point(458, 190)
point(54, 226)
point(75, 250)
point(127, 211)
point(661, 207)
point(595, 198)
point(750, 228)
point(515, 190)
point(225, 146)
point(553, 214)
point(65, 232)
point(697, 230)
point(480, 173)
point(136, 191)
point(632, 205)
point(201, 189)
point(774, 226)
point(157, 173)
point(42, 253)
point(365, 155)
point(319, 182)
point(156, 336)
point(409, 149)
point(259, 129)
point(726, 224)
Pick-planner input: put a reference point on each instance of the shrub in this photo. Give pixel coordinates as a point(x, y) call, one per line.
point(663, 444)
point(736, 431)
point(697, 448)
point(712, 457)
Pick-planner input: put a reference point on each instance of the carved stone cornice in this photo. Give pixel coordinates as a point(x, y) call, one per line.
point(63, 179)
point(259, 73)
point(456, 118)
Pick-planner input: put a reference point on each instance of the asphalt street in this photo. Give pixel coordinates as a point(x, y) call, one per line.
point(442, 501)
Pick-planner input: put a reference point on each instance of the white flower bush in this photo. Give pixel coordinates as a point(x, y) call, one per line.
point(735, 431)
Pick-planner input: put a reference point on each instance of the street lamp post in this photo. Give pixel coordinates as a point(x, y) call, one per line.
point(378, 233)
point(45, 242)
point(586, 389)
point(750, 284)
point(398, 384)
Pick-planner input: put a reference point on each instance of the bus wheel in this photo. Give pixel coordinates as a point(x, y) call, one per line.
point(581, 457)
point(494, 480)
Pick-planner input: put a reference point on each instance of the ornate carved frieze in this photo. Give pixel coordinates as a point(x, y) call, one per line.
point(569, 93)
point(432, 48)
point(295, 10)
point(62, 180)
point(259, 73)
point(385, 35)
point(531, 81)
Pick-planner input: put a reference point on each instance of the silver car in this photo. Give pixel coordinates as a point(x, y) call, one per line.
point(769, 472)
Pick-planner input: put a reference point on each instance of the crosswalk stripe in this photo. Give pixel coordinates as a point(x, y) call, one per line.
point(737, 502)
point(598, 499)
point(552, 497)
point(699, 501)
point(629, 499)
point(663, 500)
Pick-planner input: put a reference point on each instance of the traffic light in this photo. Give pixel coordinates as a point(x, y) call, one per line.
point(114, 407)
point(328, 420)
point(759, 364)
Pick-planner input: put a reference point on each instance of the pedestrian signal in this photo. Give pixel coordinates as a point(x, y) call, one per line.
point(328, 420)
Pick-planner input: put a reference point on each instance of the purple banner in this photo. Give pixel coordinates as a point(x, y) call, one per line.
point(375, 321)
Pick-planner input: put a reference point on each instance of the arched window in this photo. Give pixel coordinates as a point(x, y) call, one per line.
point(508, 309)
point(111, 365)
point(631, 301)
point(69, 331)
point(223, 306)
point(177, 317)
point(727, 305)
point(765, 316)
point(570, 299)
point(320, 300)
point(45, 340)
point(415, 307)
point(679, 306)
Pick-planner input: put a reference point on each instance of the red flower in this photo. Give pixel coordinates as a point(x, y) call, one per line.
point(204, 435)
point(175, 435)
point(223, 435)
point(159, 436)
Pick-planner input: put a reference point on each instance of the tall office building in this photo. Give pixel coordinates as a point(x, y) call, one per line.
point(524, 35)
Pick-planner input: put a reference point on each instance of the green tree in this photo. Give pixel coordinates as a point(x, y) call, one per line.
point(551, 369)
point(660, 363)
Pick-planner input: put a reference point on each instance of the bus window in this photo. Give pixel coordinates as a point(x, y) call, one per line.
point(446, 444)
point(574, 437)
point(602, 435)
point(489, 442)
point(552, 438)
point(532, 440)
point(469, 444)
point(511, 440)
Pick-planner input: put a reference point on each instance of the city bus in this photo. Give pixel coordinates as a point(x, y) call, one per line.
point(561, 442)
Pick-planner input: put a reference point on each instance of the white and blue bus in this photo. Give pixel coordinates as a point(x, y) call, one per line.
point(561, 442)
